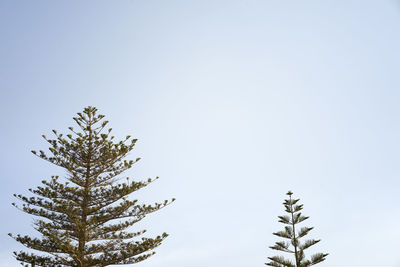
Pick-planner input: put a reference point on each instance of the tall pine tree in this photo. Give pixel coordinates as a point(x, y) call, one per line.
point(292, 236)
point(83, 221)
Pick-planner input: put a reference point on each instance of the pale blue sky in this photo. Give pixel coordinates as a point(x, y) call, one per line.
point(233, 102)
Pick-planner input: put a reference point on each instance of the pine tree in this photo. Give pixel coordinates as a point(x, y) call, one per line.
point(83, 220)
point(293, 244)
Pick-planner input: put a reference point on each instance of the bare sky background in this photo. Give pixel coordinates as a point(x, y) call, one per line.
point(233, 102)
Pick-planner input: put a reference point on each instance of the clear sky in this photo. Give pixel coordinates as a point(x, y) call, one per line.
point(233, 102)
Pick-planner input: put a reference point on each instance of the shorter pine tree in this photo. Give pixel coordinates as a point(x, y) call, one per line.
point(293, 244)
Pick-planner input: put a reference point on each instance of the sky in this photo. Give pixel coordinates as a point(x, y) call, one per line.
point(234, 103)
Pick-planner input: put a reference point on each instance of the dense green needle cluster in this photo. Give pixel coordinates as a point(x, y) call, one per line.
point(292, 238)
point(83, 220)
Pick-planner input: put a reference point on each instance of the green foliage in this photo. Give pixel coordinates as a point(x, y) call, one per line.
point(83, 221)
point(291, 243)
